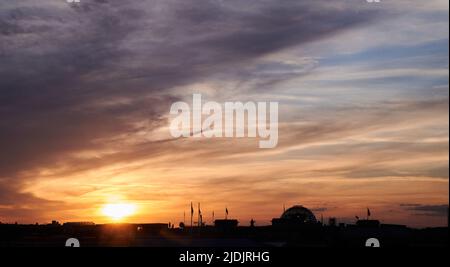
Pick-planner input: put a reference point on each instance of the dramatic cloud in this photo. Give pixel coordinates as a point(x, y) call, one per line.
point(71, 75)
point(85, 91)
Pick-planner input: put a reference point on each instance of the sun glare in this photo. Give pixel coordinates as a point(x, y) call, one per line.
point(118, 211)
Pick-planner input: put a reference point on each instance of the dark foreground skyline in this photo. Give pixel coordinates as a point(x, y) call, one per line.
point(297, 226)
point(196, 216)
point(224, 233)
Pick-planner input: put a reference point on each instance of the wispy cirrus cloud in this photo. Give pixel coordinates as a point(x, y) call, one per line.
point(427, 210)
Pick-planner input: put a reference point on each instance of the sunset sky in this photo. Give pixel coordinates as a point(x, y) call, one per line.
point(86, 90)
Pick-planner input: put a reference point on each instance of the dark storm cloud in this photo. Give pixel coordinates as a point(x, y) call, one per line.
point(73, 75)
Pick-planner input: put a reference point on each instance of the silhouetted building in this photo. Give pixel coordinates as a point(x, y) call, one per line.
point(152, 227)
point(332, 221)
point(295, 216)
point(78, 224)
point(393, 226)
point(368, 223)
point(226, 224)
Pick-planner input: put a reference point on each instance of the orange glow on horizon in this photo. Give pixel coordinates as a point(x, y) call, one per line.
point(118, 211)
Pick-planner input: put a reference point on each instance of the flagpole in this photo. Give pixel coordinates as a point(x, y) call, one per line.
point(192, 214)
point(200, 215)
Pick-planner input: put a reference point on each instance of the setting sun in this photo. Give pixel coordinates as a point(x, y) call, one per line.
point(118, 211)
